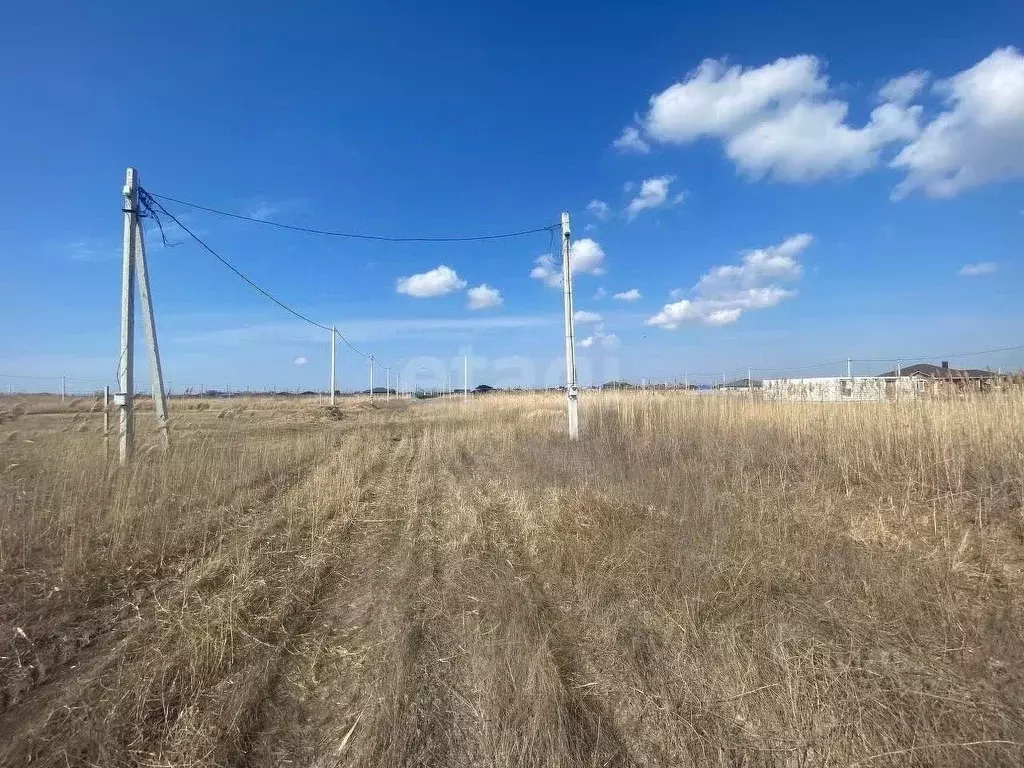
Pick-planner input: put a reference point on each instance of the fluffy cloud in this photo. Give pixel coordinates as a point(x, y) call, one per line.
point(631, 295)
point(904, 89)
point(653, 194)
point(980, 136)
point(981, 268)
point(436, 282)
point(582, 316)
point(631, 141)
point(724, 293)
point(600, 209)
point(600, 339)
point(776, 120)
point(484, 297)
point(585, 257)
point(782, 121)
point(300, 361)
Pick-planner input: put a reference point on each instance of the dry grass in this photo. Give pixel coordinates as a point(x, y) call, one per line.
point(700, 581)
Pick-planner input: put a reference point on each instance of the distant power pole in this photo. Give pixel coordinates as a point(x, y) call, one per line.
point(387, 389)
point(849, 369)
point(63, 387)
point(371, 377)
point(334, 338)
point(465, 377)
point(571, 393)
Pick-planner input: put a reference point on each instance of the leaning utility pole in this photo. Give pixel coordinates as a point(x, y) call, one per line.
point(134, 262)
point(156, 373)
point(571, 393)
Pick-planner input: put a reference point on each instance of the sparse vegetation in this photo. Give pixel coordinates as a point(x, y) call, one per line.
point(700, 581)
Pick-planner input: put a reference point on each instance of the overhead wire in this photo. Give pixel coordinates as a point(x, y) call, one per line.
point(152, 205)
point(359, 235)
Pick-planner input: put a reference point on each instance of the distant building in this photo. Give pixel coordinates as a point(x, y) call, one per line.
point(836, 389)
point(904, 382)
point(943, 380)
point(740, 384)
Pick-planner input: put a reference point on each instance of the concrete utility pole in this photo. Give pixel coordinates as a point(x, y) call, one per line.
point(134, 260)
point(106, 420)
point(571, 393)
point(849, 369)
point(126, 359)
point(387, 390)
point(465, 377)
point(371, 377)
point(63, 387)
point(334, 338)
point(156, 372)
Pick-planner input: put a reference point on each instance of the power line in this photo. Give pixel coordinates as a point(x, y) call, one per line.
point(349, 345)
point(937, 356)
point(151, 206)
point(356, 235)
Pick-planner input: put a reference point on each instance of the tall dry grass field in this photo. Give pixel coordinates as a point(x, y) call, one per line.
point(699, 581)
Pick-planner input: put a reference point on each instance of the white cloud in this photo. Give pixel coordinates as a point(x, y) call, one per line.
point(631, 141)
point(263, 211)
point(436, 282)
point(600, 293)
point(300, 361)
point(776, 120)
point(980, 268)
point(585, 257)
point(725, 292)
point(980, 136)
point(600, 339)
point(484, 297)
point(600, 209)
point(811, 140)
point(653, 193)
point(631, 295)
point(546, 271)
point(904, 89)
point(583, 316)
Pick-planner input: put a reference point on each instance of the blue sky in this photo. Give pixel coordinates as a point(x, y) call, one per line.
point(805, 201)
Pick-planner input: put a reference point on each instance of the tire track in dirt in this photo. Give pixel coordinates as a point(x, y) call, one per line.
point(74, 629)
point(623, 650)
point(378, 688)
point(319, 691)
point(206, 598)
point(544, 709)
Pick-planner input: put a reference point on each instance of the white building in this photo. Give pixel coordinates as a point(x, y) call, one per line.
point(837, 389)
